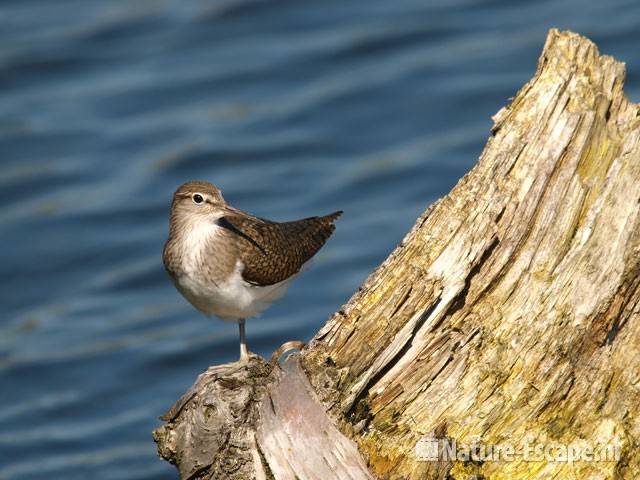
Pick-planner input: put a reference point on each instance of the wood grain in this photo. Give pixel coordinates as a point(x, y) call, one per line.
point(510, 311)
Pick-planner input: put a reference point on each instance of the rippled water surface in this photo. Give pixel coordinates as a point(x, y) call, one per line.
point(292, 108)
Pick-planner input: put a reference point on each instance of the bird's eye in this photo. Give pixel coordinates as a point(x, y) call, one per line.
point(197, 198)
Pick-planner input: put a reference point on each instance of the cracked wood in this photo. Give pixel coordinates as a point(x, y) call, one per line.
point(510, 311)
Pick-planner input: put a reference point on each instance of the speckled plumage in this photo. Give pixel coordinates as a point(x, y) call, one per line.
point(272, 252)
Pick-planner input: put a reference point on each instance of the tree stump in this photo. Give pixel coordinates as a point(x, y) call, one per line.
point(507, 316)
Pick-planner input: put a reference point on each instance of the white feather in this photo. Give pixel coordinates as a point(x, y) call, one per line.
point(231, 299)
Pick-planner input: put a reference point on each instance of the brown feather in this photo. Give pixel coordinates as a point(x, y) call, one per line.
point(272, 252)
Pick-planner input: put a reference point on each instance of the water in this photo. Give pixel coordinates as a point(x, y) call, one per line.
point(292, 108)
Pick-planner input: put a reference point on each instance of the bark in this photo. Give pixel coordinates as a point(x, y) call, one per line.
point(257, 421)
point(508, 314)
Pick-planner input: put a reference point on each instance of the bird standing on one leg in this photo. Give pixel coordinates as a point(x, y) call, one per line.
point(228, 263)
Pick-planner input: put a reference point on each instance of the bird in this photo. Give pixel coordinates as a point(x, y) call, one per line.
point(232, 264)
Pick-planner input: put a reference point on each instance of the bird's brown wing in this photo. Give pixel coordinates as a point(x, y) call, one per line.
point(272, 252)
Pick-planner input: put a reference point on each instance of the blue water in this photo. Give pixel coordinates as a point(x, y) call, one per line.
point(375, 107)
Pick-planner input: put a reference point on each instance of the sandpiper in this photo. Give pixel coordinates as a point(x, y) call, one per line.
point(231, 264)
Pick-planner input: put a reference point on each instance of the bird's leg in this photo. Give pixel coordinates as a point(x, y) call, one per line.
point(244, 353)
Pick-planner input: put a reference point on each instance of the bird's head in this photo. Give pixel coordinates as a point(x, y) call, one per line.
point(197, 199)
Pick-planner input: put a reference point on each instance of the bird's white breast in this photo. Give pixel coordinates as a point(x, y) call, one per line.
point(230, 298)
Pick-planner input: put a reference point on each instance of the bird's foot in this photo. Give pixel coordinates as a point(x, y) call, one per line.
point(245, 356)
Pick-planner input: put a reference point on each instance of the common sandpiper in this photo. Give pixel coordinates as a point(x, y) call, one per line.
point(231, 264)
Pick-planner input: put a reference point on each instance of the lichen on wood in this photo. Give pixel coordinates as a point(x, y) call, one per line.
point(510, 311)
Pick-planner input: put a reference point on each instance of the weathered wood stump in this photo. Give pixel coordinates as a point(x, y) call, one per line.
point(508, 315)
point(230, 425)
